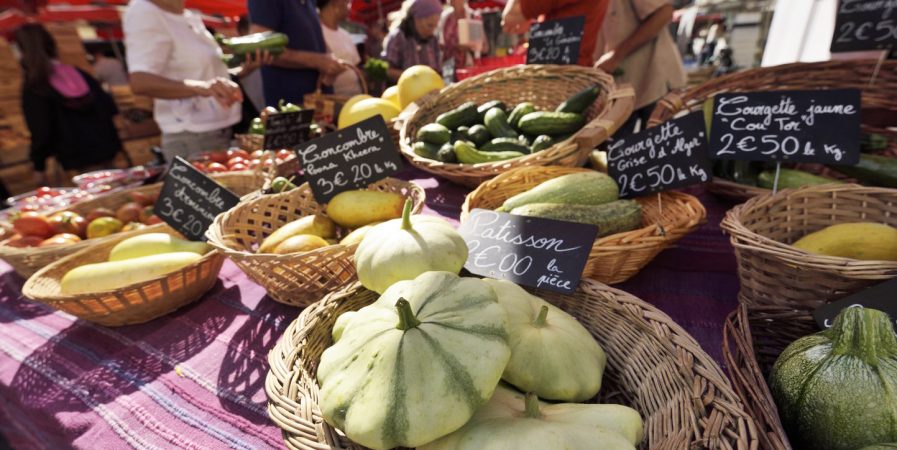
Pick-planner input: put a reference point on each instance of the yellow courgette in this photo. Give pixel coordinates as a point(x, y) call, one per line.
point(116, 274)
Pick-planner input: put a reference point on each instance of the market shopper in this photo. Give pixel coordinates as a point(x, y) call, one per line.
point(294, 72)
point(69, 115)
point(340, 44)
point(449, 36)
point(412, 40)
point(518, 14)
point(635, 42)
point(174, 59)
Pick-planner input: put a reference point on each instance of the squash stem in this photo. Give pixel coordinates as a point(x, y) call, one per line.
point(863, 333)
point(407, 320)
point(532, 406)
point(543, 314)
point(406, 215)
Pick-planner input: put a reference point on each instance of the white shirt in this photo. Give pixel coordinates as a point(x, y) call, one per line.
point(339, 42)
point(177, 47)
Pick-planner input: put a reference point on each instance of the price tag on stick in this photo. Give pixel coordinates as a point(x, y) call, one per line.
point(541, 253)
point(797, 126)
point(351, 158)
point(288, 129)
point(190, 201)
point(668, 156)
point(555, 41)
point(880, 297)
point(865, 25)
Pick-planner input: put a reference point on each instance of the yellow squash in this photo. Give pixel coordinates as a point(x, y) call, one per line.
point(318, 225)
point(107, 276)
point(154, 244)
point(353, 209)
point(300, 243)
point(863, 240)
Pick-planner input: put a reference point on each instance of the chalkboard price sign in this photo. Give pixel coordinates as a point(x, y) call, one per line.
point(537, 252)
point(288, 129)
point(190, 201)
point(798, 126)
point(880, 297)
point(865, 25)
point(555, 41)
point(351, 158)
point(670, 155)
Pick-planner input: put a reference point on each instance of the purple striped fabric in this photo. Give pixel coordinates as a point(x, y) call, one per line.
point(195, 379)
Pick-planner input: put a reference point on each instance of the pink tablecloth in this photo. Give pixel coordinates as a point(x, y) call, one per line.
point(195, 379)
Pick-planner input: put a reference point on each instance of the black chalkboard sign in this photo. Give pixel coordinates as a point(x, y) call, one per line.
point(670, 155)
point(351, 158)
point(800, 126)
point(555, 41)
point(189, 200)
point(865, 25)
point(288, 129)
point(880, 297)
point(541, 253)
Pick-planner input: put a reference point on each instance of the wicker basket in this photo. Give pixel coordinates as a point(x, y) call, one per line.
point(26, 261)
point(544, 86)
point(137, 303)
point(296, 279)
point(615, 258)
point(774, 273)
point(654, 366)
point(878, 98)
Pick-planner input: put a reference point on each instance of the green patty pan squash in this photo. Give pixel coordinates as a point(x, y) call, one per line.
point(514, 421)
point(402, 249)
point(552, 354)
point(416, 364)
point(837, 389)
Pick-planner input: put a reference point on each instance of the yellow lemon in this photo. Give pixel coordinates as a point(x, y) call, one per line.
point(367, 108)
point(417, 81)
point(348, 106)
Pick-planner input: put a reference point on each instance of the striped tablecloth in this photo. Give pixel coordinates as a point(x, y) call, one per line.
point(195, 379)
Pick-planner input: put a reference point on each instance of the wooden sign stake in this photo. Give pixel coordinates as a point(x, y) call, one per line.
point(775, 182)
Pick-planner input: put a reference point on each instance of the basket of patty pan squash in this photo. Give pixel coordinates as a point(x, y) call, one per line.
point(414, 355)
point(528, 115)
point(128, 279)
point(831, 389)
point(43, 238)
point(631, 232)
point(300, 250)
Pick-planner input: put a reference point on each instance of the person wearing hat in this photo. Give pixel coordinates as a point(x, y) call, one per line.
point(413, 41)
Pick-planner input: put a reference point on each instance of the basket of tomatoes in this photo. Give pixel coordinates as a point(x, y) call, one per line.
point(284, 162)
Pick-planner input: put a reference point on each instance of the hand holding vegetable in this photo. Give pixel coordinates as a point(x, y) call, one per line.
point(225, 91)
point(255, 60)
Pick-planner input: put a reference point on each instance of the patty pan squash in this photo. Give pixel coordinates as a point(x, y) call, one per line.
point(416, 364)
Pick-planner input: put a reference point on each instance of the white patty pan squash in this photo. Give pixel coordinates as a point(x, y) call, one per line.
point(552, 354)
point(513, 421)
point(402, 249)
point(416, 364)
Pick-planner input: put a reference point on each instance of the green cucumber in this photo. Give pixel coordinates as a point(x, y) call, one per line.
point(872, 142)
point(580, 101)
point(580, 188)
point(466, 114)
point(790, 178)
point(497, 123)
point(434, 133)
point(505, 145)
point(551, 123)
point(485, 107)
point(425, 149)
point(468, 154)
point(542, 142)
point(461, 134)
point(525, 139)
point(479, 135)
point(446, 154)
point(519, 111)
point(610, 218)
point(873, 169)
point(257, 41)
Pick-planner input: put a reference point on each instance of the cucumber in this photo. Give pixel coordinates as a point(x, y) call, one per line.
point(519, 111)
point(434, 133)
point(790, 178)
point(461, 134)
point(479, 135)
point(425, 149)
point(525, 139)
point(580, 101)
point(542, 142)
point(871, 142)
point(466, 114)
point(580, 188)
point(610, 218)
point(873, 169)
point(550, 123)
point(496, 122)
point(505, 145)
point(485, 107)
point(446, 154)
point(468, 154)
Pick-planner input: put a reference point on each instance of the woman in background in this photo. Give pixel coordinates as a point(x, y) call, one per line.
point(68, 113)
point(339, 43)
point(413, 41)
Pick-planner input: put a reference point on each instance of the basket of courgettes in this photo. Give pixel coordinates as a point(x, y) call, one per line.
point(741, 180)
point(512, 117)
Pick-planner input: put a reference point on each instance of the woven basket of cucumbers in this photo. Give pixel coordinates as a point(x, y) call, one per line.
point(631, 232)
point(741, 180)
point(533, 115)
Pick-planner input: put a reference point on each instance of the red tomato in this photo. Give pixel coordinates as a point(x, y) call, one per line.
point(199, 166)
point(97, 213)
point(238, 167)
point(237, 160)
point(140, 197)
point(234, 152)
point(254, 163)
point(284, 154)
point(153, 219)
point(20, 241)
point(68, 222)
point(129, 212)
point(145, 214)
point(216, 167)
point(60, 239)
point(257, 154)
point(33, 224)
point(219, 157)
